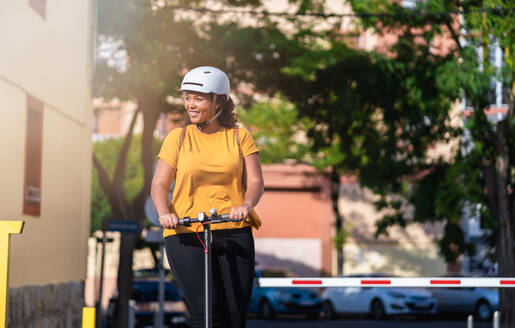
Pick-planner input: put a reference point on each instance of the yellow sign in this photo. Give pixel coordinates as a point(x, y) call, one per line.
point(6, 228)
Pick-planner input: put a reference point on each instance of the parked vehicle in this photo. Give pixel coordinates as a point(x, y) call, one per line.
point(269, 301)
point(482, 302)
point(378, 302)
point(145, 293)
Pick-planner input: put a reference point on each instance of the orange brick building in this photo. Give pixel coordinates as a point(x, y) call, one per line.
point(298, 220)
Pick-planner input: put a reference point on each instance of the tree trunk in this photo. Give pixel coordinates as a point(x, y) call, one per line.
point(124, 281)
point(151, 110)
point(499, 206)
point(338, 244)
point(506, 214)
point(121, 209)
point(150, 117)
point(497, 180)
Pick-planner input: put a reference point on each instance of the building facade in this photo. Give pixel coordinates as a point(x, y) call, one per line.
point(45, 121)
point(409, 252)
point(298, 221)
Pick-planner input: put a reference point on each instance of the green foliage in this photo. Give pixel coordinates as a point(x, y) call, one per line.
point(450, 194)
point(280, 134)
point(252, 56)
point(107, 152)
point(369, 105)
point(156, 55)
point(277, 130)
point(427, 82)
point(452, 244)
point(309, 6)
point(100, 207)
point(342, 234)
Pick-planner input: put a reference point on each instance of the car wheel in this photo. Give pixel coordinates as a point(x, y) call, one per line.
point(483, 310)
point(327, 311)
point(265, 310)
point(377, 309)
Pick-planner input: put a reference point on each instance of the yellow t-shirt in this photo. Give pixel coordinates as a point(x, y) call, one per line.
point(209, 174)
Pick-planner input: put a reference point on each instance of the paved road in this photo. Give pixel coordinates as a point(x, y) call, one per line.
point(299, 322)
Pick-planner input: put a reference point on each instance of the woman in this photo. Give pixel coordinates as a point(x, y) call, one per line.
point(215, 164)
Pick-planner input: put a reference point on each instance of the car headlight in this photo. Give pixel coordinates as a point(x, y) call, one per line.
point(396, 294)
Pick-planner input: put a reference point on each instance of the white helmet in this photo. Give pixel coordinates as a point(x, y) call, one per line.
point(206, 79)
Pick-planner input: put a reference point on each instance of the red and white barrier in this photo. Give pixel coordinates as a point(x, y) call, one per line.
point(388, 282)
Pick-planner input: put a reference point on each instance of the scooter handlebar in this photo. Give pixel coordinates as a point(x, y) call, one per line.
point(186, 221)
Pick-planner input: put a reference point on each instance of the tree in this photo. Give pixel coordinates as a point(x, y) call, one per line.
point(486, 172)
point(106, 152)
point(277, 130)
point(387, 110)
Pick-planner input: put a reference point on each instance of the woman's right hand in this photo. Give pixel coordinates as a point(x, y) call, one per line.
point(169, 221)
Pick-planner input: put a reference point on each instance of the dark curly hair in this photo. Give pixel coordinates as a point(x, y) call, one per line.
point(228, 118)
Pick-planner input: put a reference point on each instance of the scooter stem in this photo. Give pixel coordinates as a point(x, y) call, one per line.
point(207, 276)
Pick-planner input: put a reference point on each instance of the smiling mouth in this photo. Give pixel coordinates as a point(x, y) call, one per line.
point(194, 113)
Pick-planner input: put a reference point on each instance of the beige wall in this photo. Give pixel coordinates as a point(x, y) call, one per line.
point(398, 259)
point(410, 251)
point(50, 59)
point(112, 119)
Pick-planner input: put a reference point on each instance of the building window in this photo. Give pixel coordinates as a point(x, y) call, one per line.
point(498, 93)
point(33, 157)
point(39, 6)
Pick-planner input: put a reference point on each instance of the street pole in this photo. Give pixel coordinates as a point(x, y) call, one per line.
point(496, 320)
point(207, 276)
point(99, 302)
point(161, 291)
point(470, 321)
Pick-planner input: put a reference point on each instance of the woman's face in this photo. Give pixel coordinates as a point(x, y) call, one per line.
point(198, 106)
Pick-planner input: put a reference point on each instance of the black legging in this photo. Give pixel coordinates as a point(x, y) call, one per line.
point(232, 272)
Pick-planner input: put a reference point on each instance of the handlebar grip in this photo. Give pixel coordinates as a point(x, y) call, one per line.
point(224, 218)
point(185, 221)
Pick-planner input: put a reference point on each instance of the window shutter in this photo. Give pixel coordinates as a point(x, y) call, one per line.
point(33, 157)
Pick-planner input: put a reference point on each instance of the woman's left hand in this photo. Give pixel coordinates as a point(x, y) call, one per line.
point(240, 213)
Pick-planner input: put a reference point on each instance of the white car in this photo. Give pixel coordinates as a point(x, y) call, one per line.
point(377, 301)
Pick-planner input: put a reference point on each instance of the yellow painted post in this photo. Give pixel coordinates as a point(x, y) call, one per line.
point(88, 317)
point(6, 228)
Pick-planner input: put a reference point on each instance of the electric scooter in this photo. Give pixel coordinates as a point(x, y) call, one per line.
point(206, 221)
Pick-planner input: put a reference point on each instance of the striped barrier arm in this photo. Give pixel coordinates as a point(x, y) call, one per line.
point(388, 282)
